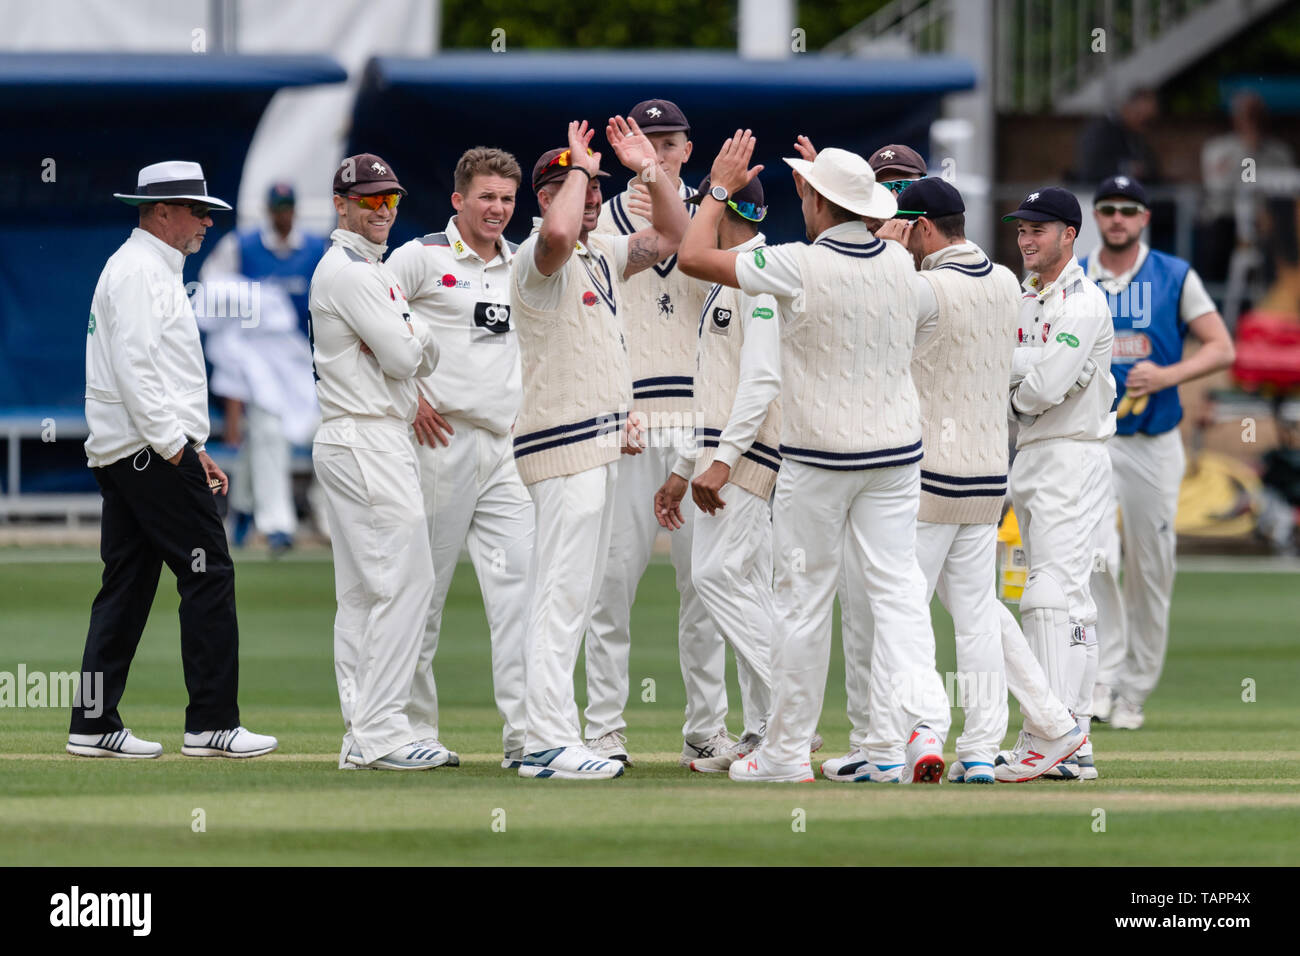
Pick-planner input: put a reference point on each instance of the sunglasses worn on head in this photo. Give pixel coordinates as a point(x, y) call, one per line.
point(379, 199)
point(748, 210)
point(1128, 210)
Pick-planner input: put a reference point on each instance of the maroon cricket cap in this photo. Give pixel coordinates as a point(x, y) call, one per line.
point(544, 172)
point(896, 158)
point(365, 175)
point(659, 116)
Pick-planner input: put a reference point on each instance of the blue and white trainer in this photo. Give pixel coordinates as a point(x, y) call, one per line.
point(971, 771)
point(512, 759)
point(412, 756)
point(844, 769)
point(116, 743)
point(569, 763)
point(235, 742)
point(433, 743)
point(879, 773)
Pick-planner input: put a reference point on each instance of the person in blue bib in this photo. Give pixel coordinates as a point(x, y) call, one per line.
point(251, 375)
point(1155, 300)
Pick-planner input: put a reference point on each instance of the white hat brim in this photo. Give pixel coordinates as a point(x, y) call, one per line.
point(212, 201)
point(881, 205)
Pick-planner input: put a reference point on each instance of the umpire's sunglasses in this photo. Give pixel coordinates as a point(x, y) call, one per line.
point(200, 210)
point(379, 199)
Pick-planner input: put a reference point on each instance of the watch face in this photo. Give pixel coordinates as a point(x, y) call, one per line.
point(718, 193)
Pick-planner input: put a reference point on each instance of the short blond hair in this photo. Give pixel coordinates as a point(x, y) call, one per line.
point(485, 160)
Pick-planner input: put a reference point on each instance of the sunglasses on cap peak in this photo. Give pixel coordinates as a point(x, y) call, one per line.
point(896, 186)
point(1127, 210)
point(379, 199)
point(748, 210)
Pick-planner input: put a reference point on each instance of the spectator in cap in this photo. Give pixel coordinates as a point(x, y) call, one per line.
point(147, 408)
point(257, 366)
point(1117, 145)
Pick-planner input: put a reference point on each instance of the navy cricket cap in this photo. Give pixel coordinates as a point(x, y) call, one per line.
point(280, 194)
point(1125, 186)
point(1050, 204)
point(931, 198)
point(659, 116)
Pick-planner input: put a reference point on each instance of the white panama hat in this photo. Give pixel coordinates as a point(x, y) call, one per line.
point(847, 180)
point(174, 179)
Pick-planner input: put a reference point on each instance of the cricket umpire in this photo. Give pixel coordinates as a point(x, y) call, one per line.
point(147, 408)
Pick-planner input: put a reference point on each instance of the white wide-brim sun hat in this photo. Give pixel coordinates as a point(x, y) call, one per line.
point(847, 180)
point(174, 179)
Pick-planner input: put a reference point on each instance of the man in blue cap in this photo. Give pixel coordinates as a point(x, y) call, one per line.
point(1155, 300)
point(249, 366)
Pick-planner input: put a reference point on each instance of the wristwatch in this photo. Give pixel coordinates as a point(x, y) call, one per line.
point(720, 194)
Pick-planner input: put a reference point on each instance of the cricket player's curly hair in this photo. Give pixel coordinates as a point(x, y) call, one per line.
point(485, 161)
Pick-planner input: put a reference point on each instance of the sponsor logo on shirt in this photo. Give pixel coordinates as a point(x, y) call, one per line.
point(459, 246)
point(1130, 348)
point(759, 259)
point(589, 298)
point(763, 313)
point(90, 329)
point(721, 321)
point(1047, 327)
point(1068, 339)
point(492, 316)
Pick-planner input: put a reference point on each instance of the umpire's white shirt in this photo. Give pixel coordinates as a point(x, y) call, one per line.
point(145, 379)
point(465, 302)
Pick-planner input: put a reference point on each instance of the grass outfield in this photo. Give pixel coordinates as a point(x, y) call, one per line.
point(1210, 780)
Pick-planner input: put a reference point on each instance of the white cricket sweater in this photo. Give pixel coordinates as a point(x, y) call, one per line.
point(577, 386)
point(659, 306)
point(961, 372)
point(738, 392)
point(355, 300)
point(465, 302)
point(848, 328)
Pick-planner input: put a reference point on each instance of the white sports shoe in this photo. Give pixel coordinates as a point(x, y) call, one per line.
point(753, 769)
point(970, 771)
point(743, 747)
point(704, 749)
point(433, 743)
point(116, 743)
point(1126, 716)
point(569, 763)
point(879, 773)
point(1034, 756)
point(612, 746)
point(924, 760)
point(236, 742)
point(412, 756)
point(1103, 701)
point(512, 759)
point(844, 769)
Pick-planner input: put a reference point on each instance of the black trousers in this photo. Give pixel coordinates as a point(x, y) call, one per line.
point(157, 513)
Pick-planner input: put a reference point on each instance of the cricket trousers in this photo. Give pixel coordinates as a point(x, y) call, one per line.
point(817, 516)
point(473, 498)
point(261, 483)
point(1133, 621)
point(574, 520)
point(700, 647)
point(1060, 489)
point(383, 576)
point(157, 513)
point(731, 566)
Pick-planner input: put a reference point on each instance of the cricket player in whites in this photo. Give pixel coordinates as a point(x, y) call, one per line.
point(1060, 479)
point(659, 309)
point(564, 301)
point(458, 284)
point(367, 356)
point(1155, 300)
point(850, 450)
point(738, 429)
